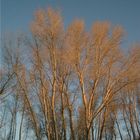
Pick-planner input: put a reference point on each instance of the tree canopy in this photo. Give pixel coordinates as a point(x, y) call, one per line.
point(69, 83)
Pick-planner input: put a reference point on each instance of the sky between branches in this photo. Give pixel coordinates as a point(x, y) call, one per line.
point(16, 15)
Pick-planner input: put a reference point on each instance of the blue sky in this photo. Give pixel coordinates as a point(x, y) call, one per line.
point(17, 15)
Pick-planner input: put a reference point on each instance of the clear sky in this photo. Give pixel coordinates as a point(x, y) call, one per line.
point(18, 14)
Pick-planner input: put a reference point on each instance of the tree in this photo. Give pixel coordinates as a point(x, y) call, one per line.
point(73, 83)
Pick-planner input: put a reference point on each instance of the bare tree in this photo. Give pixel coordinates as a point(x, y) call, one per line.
point(71, 84)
